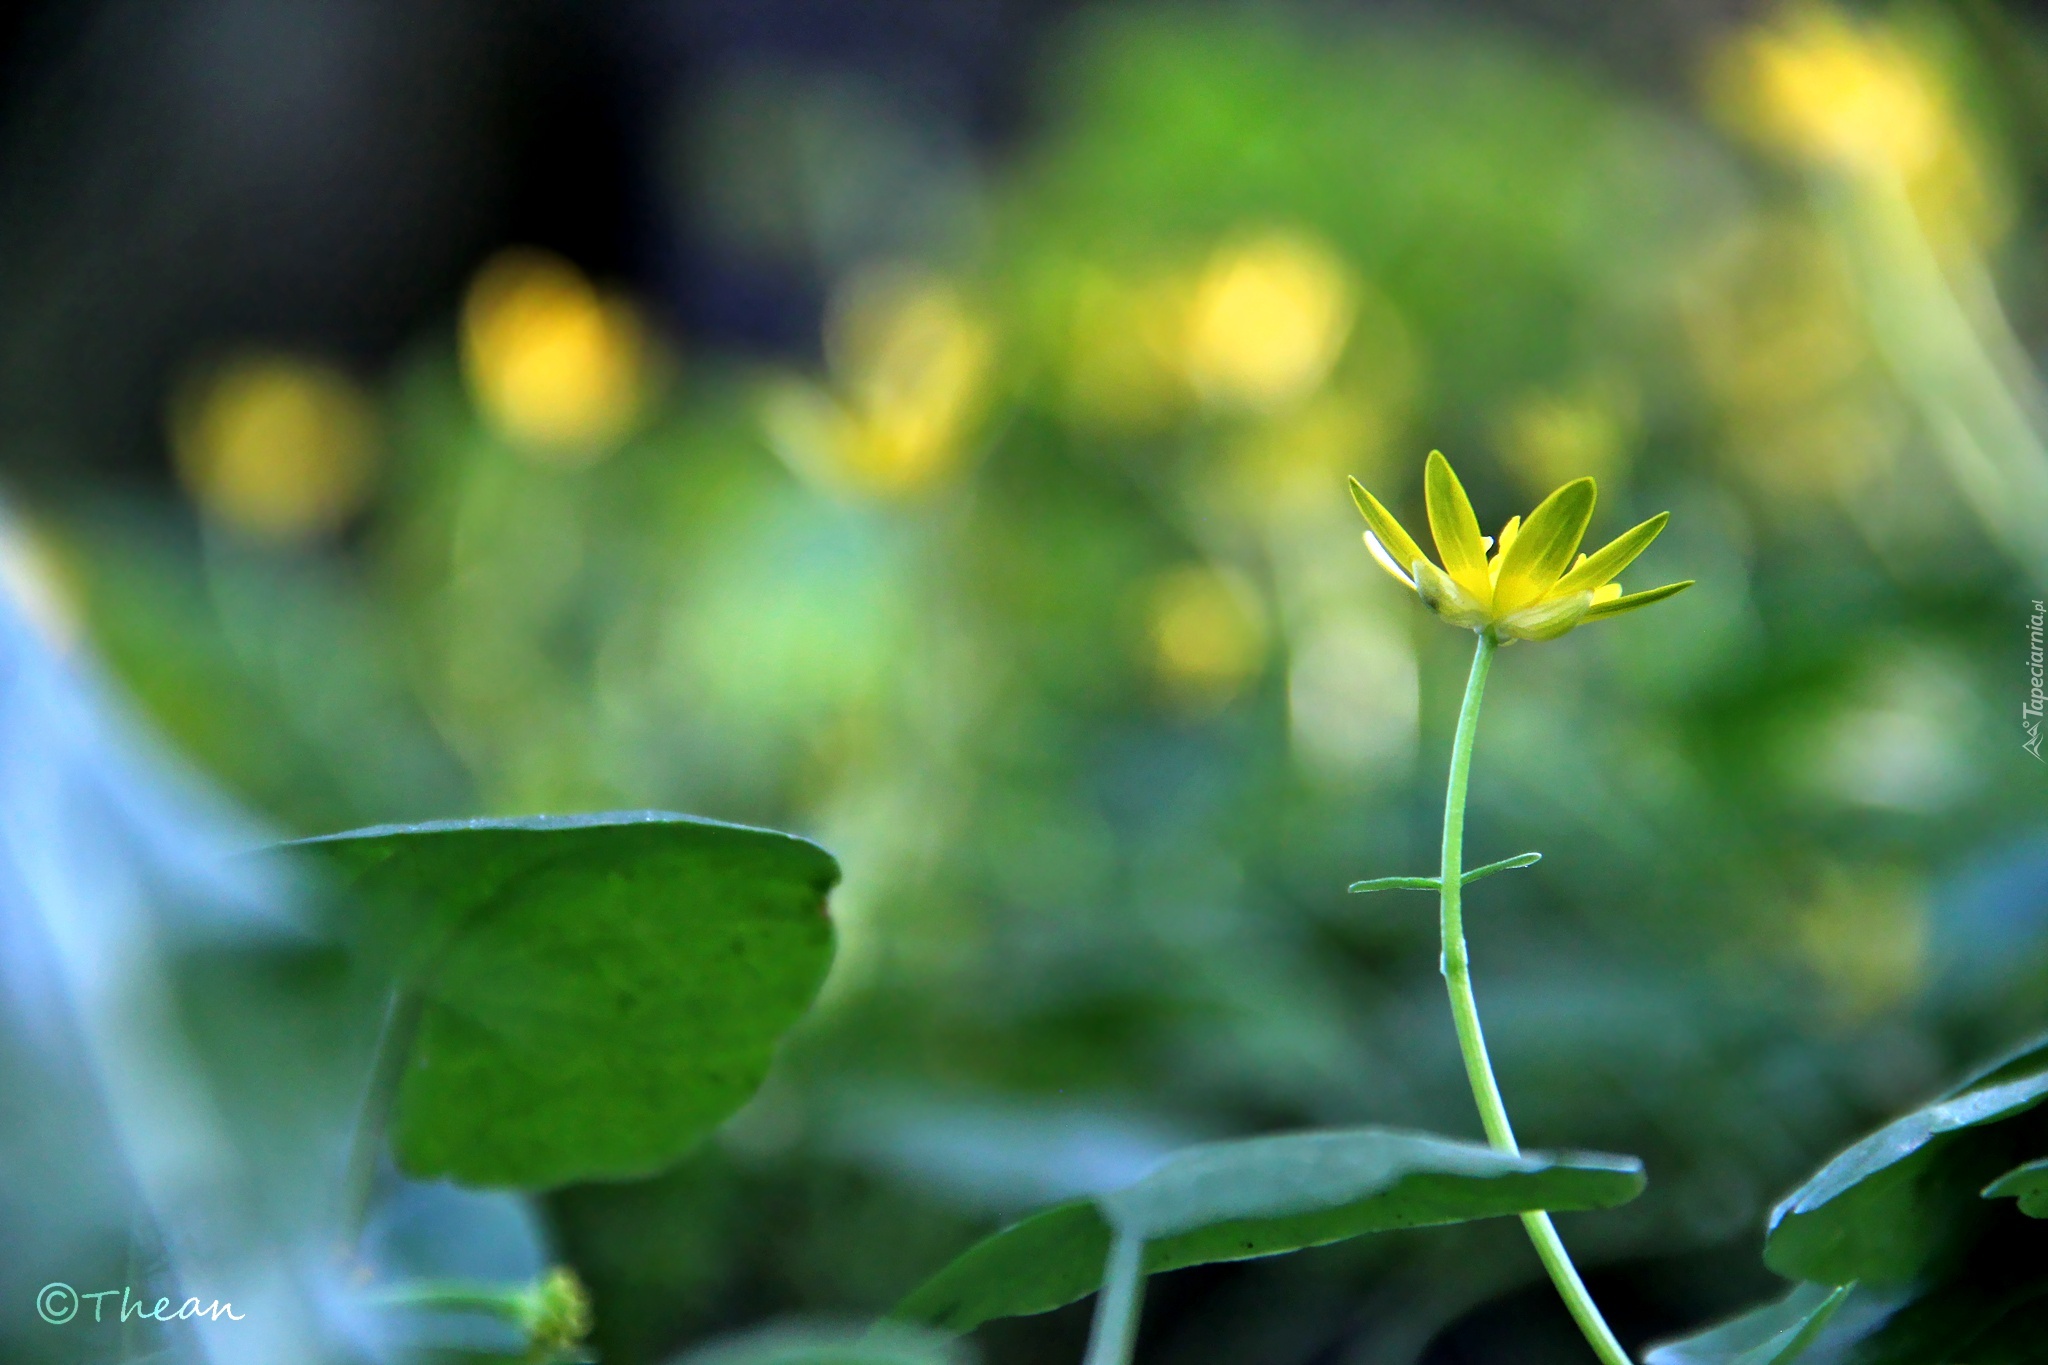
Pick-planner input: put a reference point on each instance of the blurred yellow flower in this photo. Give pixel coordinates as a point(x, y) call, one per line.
point(278, 446)
point(1526, 591)
point(909, 365)
point(1826, 88)
point(555, 366)
point(1207, 632)
point(1267, 318)
point(1850, 96)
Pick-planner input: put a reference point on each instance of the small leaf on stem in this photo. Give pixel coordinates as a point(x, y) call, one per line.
point(1504, 865)
point(1398, 884)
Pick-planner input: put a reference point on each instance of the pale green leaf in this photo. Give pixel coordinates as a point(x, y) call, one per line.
point(1265, 1196)
point(1775, 1334)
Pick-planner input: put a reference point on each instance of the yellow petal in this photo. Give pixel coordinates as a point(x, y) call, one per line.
point(1456, 529)
point(1448, 598)
point(1613, 557)
point(1546, 620)
point(1544, 545)
point(1618, 605)
point(1606, 592)
point(1395, 541)
point(1386, 561)
point(1507, 538)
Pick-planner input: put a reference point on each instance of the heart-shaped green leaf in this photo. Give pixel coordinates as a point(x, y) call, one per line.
point(2027, 1183)
point(1231, 1201)
point(1775, 1334)
point(1889, 1205)
point(597, 991)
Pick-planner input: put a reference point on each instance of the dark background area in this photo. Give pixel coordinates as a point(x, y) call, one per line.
point(329, 176)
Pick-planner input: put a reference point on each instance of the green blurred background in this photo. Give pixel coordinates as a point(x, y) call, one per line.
point(924, 428)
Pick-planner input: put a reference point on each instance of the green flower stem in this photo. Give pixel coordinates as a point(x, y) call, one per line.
point(394, 1046)
point(1457, 968)
point(1115, 1333)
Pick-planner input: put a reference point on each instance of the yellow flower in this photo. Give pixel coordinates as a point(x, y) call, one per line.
point(1530, 589)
